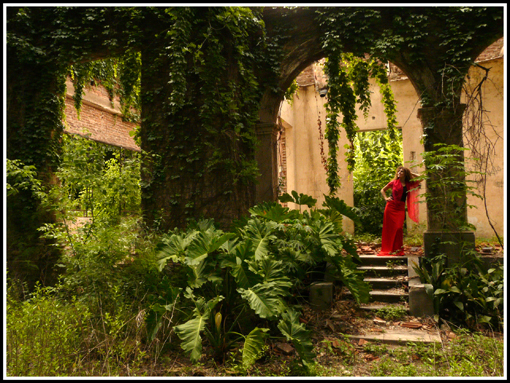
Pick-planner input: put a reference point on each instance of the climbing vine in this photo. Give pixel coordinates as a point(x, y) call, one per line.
point(205, 70)
point(348, 82)
point(404, 36)
point(205, 89)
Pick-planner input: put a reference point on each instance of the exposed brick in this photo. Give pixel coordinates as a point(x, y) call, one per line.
point(98, 123)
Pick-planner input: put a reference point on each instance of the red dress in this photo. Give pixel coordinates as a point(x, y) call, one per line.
point(395, 214)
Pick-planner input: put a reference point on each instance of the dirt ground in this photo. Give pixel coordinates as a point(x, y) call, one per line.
point(343, 357)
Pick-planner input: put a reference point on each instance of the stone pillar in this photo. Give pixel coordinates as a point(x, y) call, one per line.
point(445, 233)
point(266, 157)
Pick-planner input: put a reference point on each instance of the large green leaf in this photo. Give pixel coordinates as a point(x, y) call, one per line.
point(189, 332)
point(297, 333)
point(341, 207)
point(264, 299)
point(300, 199)
point(329, 238)
point(237, 259)
point(273, 271)
point(204, 244)
point(253, 345)
point(273, 211)
point(352, 278)
point(173, 248)
point(202, 267)
point(260, 234)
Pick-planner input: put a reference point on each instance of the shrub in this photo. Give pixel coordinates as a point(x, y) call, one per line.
point(469, 294)
point(44, 335)
point(251, 276)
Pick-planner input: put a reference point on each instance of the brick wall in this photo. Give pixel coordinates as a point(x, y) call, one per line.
point(97, 120)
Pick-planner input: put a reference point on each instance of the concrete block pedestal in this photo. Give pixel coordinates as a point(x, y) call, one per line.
point(321, 295)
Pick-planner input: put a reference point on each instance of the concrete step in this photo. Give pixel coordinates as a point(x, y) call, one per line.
point(383, 271)
point(385, 296)
point(375, 306)
point(399, 336)
point(386, 283)
point(374, 260)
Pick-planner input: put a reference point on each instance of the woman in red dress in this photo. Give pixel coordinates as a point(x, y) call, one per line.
point(403, 190)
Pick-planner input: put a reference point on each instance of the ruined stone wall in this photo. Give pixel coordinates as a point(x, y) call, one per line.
point(303, 168)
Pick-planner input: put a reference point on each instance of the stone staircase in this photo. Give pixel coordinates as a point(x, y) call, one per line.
point(388, 277)
point(395, 284)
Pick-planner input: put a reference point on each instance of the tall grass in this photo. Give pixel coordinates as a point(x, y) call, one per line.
point(44, 335)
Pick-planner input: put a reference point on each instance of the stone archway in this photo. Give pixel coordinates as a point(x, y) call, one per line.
point(441, 122)
point(297, 27)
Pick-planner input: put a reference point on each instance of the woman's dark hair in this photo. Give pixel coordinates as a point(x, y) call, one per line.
point(407, 173)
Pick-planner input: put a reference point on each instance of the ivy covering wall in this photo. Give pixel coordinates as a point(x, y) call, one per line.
point(203, 72)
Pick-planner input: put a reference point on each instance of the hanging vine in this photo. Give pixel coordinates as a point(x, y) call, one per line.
point(348, 82)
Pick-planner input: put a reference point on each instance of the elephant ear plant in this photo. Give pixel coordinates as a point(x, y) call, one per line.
point(243, 286)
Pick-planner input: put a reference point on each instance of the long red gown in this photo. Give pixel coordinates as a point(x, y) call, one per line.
point(394, 215)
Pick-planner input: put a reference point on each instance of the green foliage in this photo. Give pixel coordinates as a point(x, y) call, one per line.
point(30, 256)
point(252, 273)
point(466, 355)
point(291, 92)
point(300, 199)
point(22, 177)
point(468, 294)
point(391, 313)
point(377, 157)
point(208, 56)
point(348, 85)
point(448, 186)
point(102, 184)
point(120, 76)
point(44, 335)
point(98, 179)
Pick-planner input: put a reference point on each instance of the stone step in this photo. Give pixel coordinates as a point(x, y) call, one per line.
point(375, 306)
point(385, 296)
point(383, 271)
point(399, 336)
point(374, 260)
point(386, 283)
